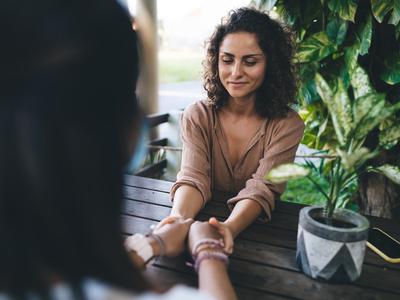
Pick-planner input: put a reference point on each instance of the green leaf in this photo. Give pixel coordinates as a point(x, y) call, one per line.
point(308, 92)
point(390, 171)
point(288, 12)
point(351, 56)
point(322, 127)
point(390, 136)
point(395, 18)
point(323, 89)
point(336, 31)
point(286, 172)
point(315, 48)
point(377, 114)
point(345, 77)
point(327, 97)
point(309, 140)
point(380, 8)
point(397, 29)
point(342, 108)
point(356, 158)
point(365, 34)
point(360, 82)
point(345, 8)
point(366, 104)
point(392, 73)
point(266, 4)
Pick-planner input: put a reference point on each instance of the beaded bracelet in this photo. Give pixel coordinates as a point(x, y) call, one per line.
point(217, 255)
point(211, 243)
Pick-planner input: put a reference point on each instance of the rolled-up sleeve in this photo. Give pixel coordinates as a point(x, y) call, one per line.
point(280, 148)
point(195, 166)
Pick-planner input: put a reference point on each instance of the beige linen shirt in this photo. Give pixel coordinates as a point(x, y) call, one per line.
point(205, 164)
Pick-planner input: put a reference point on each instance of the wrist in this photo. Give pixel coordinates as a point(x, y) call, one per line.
point(177, 215)
point(139, 244)
point(212, 263)
point(210, 257)
point(155, 245)
point(231, 227)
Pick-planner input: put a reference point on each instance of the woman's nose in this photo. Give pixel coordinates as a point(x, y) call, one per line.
point(237, 69)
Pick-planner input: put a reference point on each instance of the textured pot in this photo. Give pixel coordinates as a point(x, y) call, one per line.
point(331, 253)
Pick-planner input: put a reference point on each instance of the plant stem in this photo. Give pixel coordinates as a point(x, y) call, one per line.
point(331, 190)
point(318, 187)
point(335, 185)
point(349, 179)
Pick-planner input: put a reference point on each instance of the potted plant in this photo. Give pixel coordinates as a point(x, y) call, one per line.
point(331, 240)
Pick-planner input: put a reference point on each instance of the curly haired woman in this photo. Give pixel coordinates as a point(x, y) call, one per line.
point(245, 127)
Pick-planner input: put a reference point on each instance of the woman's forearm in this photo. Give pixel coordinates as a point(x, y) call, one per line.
point(187, 202)
point(243, 214)
point(214, 280)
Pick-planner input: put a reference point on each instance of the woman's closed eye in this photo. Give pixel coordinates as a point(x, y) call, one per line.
point(227, 60)
point(250, 62)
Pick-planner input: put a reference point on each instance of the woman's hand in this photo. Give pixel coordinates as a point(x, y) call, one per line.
point(225, 232)
point(173, 232)
point(200, 231)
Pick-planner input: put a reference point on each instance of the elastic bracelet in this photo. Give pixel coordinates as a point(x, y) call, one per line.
point(159, 241)
point(212, 243)
point(210, 255)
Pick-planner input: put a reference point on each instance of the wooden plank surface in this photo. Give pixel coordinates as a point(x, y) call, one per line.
point(263, 265)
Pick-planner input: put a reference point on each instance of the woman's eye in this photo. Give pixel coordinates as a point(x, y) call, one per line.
point(250, 62)
point(227, 60)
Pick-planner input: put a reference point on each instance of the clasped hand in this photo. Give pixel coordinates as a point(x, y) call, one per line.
point(174, 230)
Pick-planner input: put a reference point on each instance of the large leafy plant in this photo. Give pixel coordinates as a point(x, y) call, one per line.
point(352, 119)
point(349, 64)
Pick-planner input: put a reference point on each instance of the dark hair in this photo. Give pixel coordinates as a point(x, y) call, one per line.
point(279, 87)
point(67, 107)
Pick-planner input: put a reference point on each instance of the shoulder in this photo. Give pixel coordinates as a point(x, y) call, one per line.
point(291, 120)
point(198, 113)
point(289, 125)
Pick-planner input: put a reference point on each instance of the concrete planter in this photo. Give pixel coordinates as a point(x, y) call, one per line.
point(331, 253)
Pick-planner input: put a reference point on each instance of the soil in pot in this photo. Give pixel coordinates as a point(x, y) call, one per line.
point(334, 222)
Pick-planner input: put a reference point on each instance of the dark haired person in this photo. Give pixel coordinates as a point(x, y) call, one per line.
point(68, 116)
point(245, 127)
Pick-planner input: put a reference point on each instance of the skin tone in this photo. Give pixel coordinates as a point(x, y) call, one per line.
point(241, 65)
point(213, 275)
point(173, 231)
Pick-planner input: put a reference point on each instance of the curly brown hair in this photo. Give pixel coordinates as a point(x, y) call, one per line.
point(279, 87)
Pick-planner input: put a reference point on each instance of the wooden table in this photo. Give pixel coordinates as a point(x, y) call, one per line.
point(263, 264)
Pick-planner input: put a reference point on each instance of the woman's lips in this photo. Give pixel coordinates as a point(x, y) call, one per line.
point(237, 83)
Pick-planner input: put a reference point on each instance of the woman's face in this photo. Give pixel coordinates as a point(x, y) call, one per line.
point(241, 64)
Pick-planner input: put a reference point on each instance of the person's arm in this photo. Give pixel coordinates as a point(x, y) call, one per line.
point(187, 202)
point(192, 189)
point(214, 280)
point(213, 274)
point(167, 239)
point(243, 214)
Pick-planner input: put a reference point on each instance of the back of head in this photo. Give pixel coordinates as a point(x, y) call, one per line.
point(67, 106)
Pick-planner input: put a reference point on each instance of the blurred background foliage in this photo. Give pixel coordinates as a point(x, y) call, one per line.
point(336, 38)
